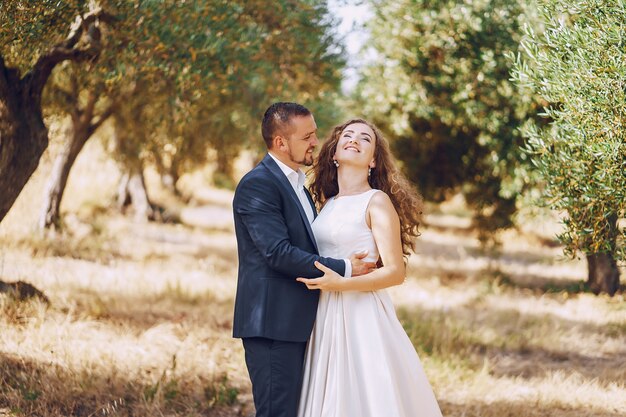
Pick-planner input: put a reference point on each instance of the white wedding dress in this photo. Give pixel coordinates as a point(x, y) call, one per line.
point(359, 361)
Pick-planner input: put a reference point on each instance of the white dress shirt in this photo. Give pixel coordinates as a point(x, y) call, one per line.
point(296, 179)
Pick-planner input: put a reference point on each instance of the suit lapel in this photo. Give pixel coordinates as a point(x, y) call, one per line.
point(308, 196)
point(284, 182)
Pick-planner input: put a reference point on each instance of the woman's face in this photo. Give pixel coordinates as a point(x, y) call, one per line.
point(356, 145)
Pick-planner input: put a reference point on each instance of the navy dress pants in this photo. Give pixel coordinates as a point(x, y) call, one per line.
point(275, 369)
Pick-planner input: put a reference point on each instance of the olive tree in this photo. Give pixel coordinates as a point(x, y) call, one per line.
point(34, 39)
point(441, 88)
point(577, 64)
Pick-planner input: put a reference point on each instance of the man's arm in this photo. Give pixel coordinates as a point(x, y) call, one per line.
point(258, 204)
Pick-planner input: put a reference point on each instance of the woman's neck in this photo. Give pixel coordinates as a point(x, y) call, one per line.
point(352, 180)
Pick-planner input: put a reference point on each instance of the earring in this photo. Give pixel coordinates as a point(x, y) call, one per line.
point(369, 171)
point(336, 163)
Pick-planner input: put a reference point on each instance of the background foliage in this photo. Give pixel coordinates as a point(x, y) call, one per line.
point(191, 79)
point(440, 86)
point(578, 66)
point(203, 72)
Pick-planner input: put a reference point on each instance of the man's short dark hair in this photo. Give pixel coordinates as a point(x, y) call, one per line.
point(278, 116)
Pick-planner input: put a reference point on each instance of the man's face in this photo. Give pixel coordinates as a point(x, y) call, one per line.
point(302, 141)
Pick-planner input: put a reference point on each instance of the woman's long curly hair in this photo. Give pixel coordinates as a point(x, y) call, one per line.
point(385, 176)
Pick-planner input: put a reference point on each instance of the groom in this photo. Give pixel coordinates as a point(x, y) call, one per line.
point(274, 314)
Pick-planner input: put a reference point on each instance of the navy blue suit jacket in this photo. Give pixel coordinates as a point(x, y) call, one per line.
point(275, 245)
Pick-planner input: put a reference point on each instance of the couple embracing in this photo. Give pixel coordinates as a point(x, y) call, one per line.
point(320, 333)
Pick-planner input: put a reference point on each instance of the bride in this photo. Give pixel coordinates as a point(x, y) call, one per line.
point(359, 360)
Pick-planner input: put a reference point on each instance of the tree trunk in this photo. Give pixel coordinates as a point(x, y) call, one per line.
point(23, 134)
point(168, 173)
point(84, 124)
point(223, 176)
point(132, 192)
point(603, 273)
point(225, 164)
point(169, 181)
point(51, 215)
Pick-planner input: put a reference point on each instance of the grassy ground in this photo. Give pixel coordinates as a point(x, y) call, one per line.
point(139, 318)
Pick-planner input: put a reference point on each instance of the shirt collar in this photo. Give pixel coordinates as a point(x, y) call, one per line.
point(296, 178)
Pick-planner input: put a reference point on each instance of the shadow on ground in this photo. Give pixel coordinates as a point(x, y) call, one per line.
point(30, 388)
point(514, 344)
point(518, 409)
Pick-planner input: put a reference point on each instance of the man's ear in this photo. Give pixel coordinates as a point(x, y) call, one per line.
point(279, 142)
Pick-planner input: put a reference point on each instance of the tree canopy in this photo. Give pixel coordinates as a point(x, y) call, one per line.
point(577, 64)
point(440, 86)
point(201, 72)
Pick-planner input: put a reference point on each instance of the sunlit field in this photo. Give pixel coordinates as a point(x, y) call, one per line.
point(138, 320)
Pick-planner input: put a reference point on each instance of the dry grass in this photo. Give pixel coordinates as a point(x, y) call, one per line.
point(139, 318)
point(146, 334)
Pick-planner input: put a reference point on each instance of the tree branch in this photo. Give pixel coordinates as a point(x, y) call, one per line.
point(9, 79)
point(69, 49)
point(65, 96)
point(103, 117)
point(74, 88)
point(87, 113)
point(82, 24)
point(4, 83)
point(8, 75)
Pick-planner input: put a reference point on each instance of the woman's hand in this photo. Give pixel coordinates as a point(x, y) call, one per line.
point(330, 281)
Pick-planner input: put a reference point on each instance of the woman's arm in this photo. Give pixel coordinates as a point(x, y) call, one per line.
point(385, 224)
point(257, 204)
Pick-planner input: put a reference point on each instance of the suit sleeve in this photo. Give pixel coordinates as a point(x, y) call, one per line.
point(257, 202)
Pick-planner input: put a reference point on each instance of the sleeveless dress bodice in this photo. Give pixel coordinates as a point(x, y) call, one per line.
point(341, 228)
point(359, 360)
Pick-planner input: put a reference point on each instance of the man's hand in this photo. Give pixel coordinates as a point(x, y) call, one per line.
point(330, 281)
point(360, 267)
